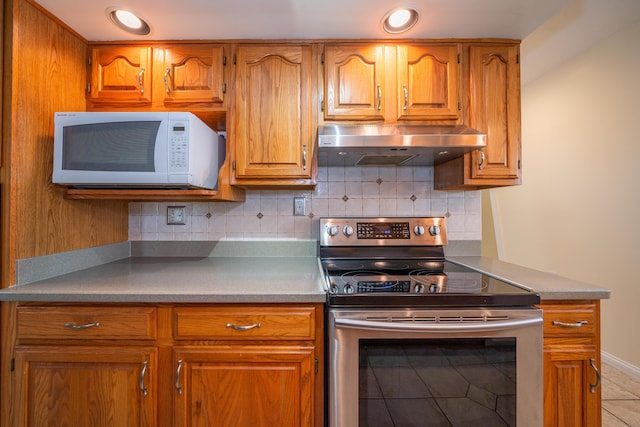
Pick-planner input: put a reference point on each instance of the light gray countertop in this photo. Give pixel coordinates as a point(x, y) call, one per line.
point(549, 286)
point(260, 272)
point(183, 280)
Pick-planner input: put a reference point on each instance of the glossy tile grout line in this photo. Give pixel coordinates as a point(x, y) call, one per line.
point(620, 398)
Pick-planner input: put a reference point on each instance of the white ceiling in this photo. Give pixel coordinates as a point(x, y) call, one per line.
point(552, 31)
point(304, 19)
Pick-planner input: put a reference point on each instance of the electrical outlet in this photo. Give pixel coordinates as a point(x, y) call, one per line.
point(176, 215)
point(298, 206)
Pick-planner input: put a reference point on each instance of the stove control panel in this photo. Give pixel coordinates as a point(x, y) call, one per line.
point(351, 231)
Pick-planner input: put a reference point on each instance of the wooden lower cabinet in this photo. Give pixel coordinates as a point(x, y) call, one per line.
point(216, 365)
point(86, 386)
point(572, 393)
point(258, 386)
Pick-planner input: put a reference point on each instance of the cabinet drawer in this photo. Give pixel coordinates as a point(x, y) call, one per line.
point(569, 320)
point(72, 322)
point(245, 323)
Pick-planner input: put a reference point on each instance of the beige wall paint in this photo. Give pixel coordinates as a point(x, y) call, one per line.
point(577, 213)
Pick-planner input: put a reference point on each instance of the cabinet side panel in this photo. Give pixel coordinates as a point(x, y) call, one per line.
point(49, 75)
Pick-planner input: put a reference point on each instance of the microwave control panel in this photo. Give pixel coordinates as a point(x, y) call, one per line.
point(178, 147)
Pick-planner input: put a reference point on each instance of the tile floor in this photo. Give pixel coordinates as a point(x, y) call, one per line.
point(620, 398)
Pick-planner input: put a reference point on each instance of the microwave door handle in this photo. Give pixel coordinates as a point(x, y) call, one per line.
point(438, 327)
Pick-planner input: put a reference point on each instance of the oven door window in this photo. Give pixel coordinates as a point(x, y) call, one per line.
point(437, 382)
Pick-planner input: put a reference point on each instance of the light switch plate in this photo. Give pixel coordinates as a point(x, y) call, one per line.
point(176, 215)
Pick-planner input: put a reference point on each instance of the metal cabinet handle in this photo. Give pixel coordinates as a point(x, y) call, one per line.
point(379, 98)
point(85, 326)
point(406, 97)
point(167, 88)
point(569, 325)
point(141, 80)
point(143, 373)
point(592, 387)
point(243, 328)
point(304, 157)
point(481, 164)
point(177, 382)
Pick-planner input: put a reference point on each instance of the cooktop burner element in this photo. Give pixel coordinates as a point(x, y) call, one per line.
point(400, 262)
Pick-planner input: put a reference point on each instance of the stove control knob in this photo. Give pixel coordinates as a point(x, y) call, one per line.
point(418, 230)
point(434, 230)
point(347, 230)
point(348, 289)
point(419, 288)
point(332, 230)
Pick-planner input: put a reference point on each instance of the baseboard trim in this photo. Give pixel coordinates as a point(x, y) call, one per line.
point(621, 365)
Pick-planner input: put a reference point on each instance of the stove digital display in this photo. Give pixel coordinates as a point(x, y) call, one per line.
point(383, 230)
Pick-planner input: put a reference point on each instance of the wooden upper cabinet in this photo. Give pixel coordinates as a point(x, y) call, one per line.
point(427, 82)
point(495, 109)
point(274, 121)
point(354, 81)
point(175, 76)
point(121, 75)
point(493, 103)
point(193, 73)
point(391, 83)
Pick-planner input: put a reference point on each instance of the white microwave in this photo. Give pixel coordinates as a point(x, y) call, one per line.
point(135, 150)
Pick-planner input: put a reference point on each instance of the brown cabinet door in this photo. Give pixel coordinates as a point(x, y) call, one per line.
point(354, 82)
point(427, 82)
point(274, 135)
point(571, 397)
point(238, 386)
point(86, 386)
point(495, 110)
point(193, 74)
point(120, 75)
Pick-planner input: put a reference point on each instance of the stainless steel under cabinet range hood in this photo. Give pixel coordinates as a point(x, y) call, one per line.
point(403, 145)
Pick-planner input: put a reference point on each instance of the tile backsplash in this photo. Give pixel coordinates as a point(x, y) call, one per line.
point(341, 191)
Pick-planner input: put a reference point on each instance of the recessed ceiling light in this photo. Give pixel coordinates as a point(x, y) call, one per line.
point(399, 20)
point(128, 21)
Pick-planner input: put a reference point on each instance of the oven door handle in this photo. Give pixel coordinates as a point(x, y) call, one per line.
point(447, 326)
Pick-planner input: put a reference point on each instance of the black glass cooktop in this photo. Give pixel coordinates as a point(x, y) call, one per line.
point(411, 283)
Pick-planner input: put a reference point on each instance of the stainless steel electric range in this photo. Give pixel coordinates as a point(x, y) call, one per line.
point(413, 336)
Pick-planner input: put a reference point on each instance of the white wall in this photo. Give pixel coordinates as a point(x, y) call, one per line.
point(353, 191)
point(578, 211)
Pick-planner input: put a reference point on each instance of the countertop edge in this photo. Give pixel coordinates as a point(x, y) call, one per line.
point(548, 285)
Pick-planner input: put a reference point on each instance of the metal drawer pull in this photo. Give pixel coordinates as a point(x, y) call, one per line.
point(569, 325)
point(178, 386)
point(592, 387)
point(243, 328)
point(482, 159)
point(141, 81)
point(143, 373)
point(304, 157)
point(406, 97)
point(166, 81)
point(86, 326)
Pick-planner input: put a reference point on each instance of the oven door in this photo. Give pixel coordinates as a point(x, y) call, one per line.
point(416, 367)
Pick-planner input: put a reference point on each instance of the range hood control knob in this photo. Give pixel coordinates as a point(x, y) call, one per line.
point(434, 230)
point(332, 230)
point(347, 230)
point(418, 230)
